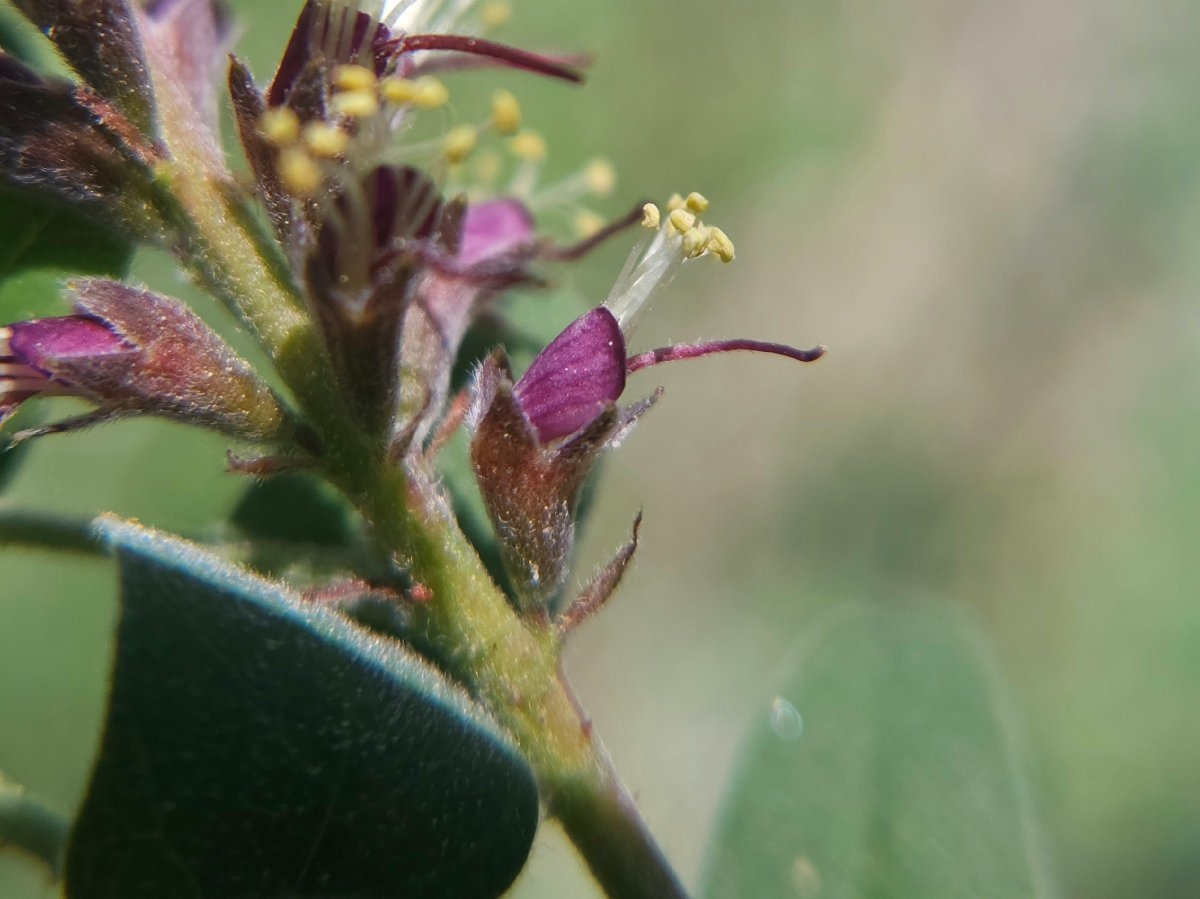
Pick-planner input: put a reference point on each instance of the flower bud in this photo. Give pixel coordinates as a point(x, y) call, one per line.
point(133, 352)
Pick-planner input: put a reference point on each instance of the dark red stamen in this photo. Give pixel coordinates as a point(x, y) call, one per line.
point(696, 350)
point(510, 56)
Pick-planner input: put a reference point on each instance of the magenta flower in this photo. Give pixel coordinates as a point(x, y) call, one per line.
point(537, 439)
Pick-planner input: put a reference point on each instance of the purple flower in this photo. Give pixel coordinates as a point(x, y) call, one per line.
point(536, 440)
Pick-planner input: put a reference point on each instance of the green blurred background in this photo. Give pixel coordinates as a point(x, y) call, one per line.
point(989, 211)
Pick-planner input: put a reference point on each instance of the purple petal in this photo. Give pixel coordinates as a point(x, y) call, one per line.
point(494, 228)
point(309, 40)
point(696, 350)
point(573, 379)
point(42, 342)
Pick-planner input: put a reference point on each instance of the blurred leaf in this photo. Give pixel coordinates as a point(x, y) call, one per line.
point(883, 770)
point(297, 508)
point(25, 41)
point(258, 746)
point(43, 242)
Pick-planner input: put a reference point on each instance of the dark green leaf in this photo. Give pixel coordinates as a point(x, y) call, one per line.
point(41, 243)
point(296, 508)
point(257, 746)
point(884, 769)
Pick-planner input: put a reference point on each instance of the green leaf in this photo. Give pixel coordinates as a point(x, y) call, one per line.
point(884, 768)
point(43, 242)
point(296, 508)
point(258, 746)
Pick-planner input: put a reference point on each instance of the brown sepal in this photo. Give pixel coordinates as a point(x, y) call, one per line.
point(531, 490)
point(602, 585)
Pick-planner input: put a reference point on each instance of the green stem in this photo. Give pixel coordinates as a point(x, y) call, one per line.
point(29, 826)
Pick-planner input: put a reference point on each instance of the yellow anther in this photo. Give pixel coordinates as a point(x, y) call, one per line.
point(587, 223)
point(325, 140)
point(353, 78)
point(528, 145)
point(356, 104)
point(431, 93)
point(398, 90)
point(651, 217)
point(681, 220)
point(675, 202)
point(280, 126)
point(601, 177)
point(299, 172)
point(695, 241)
point(496, 14)
point(697, 203)
point(506, 112)
point(487, 167)
point(719, 244)
point(459, 142)
point(426, 92)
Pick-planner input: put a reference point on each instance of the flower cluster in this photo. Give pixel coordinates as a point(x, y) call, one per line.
point(394, 247)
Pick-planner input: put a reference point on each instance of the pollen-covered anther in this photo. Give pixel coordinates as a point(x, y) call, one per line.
point(354, 78)
point(325, 141)
point(355, 104)
point(681, 220)
point(506, 112)
point(496, 13)
point(675, 201)
point(601, 177)
point(696, 202)
point(651, 217)
point(299, 172)
point(588, 223)
point(459, 142)
point(528, 146)
point(280, 126)
point(425, 92)
point(695, 241)
point(720, 245)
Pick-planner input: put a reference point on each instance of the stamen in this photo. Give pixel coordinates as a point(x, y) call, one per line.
point(506, 112)
point(280, 126)
point(459, 142)
point(496, 13)
point(665, 245)
point(356, 104)
point(326, 141)
point(528, 146)
point(601, 177)
point(354, 78)
point(695, 241)
point(720, 245)
point(299, 172)
point(588, 223)
point(681, 220)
